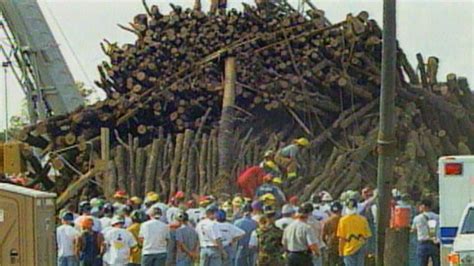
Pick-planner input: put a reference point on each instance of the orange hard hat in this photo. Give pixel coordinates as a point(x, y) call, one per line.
point(86, 222)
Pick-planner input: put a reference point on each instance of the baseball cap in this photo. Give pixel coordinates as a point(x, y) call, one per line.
point(68, 216)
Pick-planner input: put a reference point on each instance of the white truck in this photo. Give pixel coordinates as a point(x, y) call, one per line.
point(456, 196)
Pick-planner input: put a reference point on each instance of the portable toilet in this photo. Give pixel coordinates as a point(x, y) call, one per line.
point(27, 226)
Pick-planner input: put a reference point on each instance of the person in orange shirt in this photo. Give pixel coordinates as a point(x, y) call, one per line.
point(353, 231)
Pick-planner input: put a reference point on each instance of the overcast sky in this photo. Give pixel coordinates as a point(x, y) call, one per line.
point(432, 27)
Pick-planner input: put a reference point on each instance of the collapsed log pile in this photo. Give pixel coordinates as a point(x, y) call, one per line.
point(297, 74)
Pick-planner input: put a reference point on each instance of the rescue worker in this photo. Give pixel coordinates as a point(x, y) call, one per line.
point(244, 256)
point(135, 202)
point(269, 188)
point(230, 235)
point(267, 240)
point(108, 213)
point(118, 243)
point(120, 198)
point(257, 210)
point(237, 204)
point(150, 199)
point(187, 241)
point(137, 218)
point(286, 157)
point(176, 203)
point(197, 214)
point(154, 235)
point(85, 209)
point(249, 180)
point(89, 243)
point(426, 225)
point(210, 239)
point(66, 238)
point(287, 213)
point(299, 239)
point(353, 232)
point(332, 257)
point(268, 164)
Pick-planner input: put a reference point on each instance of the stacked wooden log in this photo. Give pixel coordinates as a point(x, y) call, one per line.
point(297, 74)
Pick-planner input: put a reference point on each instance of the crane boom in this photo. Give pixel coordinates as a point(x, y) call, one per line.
point(45, 76)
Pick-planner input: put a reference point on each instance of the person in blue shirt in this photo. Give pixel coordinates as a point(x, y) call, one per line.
point(269, 188)
point(244, 256)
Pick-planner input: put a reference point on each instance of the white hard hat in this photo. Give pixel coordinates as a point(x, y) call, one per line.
point(326, 197)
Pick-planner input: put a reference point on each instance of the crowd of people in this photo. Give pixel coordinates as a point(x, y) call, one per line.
point(258, 226)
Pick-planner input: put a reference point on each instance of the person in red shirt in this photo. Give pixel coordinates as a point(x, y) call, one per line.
point(249, 180)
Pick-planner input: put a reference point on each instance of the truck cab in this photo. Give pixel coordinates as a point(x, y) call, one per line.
point(456, 197)
point(463, 245)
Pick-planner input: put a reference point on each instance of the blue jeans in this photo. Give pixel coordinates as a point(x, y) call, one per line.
point(356, 259)
point(68, 261)
point(425, 251)
point(210, 256)
point(154, 259)
point(184, 261)
point(244, 257)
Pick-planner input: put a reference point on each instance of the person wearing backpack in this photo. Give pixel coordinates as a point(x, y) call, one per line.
point(89, 244)
point(426, 225)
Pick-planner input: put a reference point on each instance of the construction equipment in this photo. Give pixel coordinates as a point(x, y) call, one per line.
point(43, 73)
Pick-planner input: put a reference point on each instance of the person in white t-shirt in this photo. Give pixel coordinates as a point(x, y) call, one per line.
point(66, 237)
point(287, 212)
point(210, 239)
point(118, 243)
point(154, 234)
point(230, 235)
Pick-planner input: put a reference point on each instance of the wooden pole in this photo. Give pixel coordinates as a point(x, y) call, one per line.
point(226, 126)
point(397, 247)
point(107, 183)
point(386, 137)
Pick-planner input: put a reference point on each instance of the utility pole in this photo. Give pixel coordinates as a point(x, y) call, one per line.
point(5, 66)
point(386, 137)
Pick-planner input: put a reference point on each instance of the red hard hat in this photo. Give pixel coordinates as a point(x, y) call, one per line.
point(179, 195)
point(267, 178)
point(294, 200)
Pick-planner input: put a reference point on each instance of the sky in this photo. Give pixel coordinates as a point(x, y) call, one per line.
point(441, 28)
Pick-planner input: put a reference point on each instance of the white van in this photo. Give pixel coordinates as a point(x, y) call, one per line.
point(456, 191)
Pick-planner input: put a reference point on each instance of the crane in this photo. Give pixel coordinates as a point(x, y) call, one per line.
point(40, 67)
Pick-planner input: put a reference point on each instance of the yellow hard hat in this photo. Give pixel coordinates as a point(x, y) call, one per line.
point(302, 142)
point(237, 201)
point(136, 200)
point(268, 199)
point(268, 153)
point(152, 196)
point(277, 180)
point(227, 205)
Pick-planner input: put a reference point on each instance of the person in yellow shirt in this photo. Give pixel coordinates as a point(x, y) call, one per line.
point(353, 231)
point(135, 256)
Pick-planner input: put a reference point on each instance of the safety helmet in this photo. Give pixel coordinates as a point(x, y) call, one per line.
point(86, 222)
point(152, 197)
point(277, 180)
point(268, 199)
point(326, 196)
point(117, 220)
point(97, 203)
point(120, 194)
point(304, 142)
point(136, 200)
point(204, 201)
point(181, 216)
point(179, 195)
point(294, 200)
